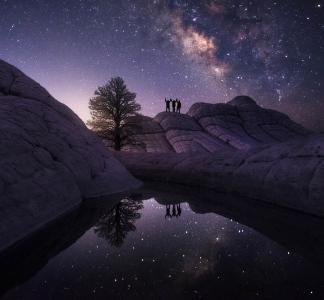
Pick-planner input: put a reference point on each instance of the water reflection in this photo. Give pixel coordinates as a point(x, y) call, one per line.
point(115, 225)
point(215, 246)
point(176, 210)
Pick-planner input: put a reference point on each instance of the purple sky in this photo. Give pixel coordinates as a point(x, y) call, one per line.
point(198, 51)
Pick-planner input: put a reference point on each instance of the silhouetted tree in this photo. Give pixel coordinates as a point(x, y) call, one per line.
point(115, 225)
point(110, 108)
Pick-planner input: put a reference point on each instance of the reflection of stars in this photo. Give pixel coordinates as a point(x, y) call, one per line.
point(11, 27)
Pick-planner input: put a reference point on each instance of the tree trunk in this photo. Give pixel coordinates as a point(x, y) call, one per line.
point(117, 141)
point(117, 134)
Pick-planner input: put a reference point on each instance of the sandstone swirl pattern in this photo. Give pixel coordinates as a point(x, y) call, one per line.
point(286, 174)
point(238, 124)
point(49, 160)
point(236, 147)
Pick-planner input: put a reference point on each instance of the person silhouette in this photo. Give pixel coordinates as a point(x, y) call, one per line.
point(167, 105)
point(174, 212)
point(179, 209)
point(173, 105)
point(167, 213)
point(178, 106)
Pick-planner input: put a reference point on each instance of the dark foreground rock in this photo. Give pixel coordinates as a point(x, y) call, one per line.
point(288, 174)
point(49, 159)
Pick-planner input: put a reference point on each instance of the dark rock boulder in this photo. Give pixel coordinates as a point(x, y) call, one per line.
point(49, 159)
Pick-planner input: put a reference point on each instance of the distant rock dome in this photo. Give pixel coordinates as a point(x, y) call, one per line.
point(242, 101)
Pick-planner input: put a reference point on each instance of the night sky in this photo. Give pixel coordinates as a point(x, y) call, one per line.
point(198, 51)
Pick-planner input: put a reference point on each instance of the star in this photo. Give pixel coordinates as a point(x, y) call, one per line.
point(181, 50)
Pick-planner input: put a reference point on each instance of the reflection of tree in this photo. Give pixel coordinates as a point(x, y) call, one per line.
point(115, 225)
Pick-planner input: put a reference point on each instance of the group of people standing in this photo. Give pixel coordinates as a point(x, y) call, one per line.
point(174, 103)
point(176, 211)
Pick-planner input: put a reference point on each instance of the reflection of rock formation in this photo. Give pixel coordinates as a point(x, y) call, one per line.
point(208, 128)
point(288, 174)
point(115, 225)
point(49, 159)
point(22, 261)
point(233, 147)
point(299, 233)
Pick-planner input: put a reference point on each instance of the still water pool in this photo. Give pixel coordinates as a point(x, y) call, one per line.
point(163, 246)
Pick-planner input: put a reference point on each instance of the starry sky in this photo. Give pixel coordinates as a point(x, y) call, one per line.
point(198, 51)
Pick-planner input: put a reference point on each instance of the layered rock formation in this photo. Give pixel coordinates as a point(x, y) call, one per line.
point(238, 124)
point(49, 159)
point(235, 147)
point(287, 174)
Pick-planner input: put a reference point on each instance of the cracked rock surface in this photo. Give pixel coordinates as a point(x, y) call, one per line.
point(237, 147)
point(289, 174)
point(238, 124)
point(49, 159)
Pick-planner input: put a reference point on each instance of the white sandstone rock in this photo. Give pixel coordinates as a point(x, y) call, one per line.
point(49, 160)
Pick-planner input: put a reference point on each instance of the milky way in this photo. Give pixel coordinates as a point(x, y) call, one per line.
point(198, 51)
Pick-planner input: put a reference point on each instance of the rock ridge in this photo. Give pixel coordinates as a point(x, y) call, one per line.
point(239, 124)
point(49, 160)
